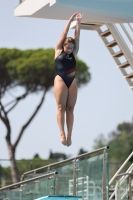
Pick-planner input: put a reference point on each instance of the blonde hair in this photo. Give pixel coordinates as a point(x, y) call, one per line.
point(68, 40)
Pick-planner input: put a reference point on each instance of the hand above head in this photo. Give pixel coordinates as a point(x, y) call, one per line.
point(73, 17)
point(79, 17)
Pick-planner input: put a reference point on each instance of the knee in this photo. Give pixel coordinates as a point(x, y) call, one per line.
point(70, 109)
point(61, 108)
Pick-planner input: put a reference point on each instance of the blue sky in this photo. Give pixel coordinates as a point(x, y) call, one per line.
point(101, 105)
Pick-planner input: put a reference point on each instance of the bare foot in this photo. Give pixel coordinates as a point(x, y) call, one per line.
point(63, 138)
point(69, 141)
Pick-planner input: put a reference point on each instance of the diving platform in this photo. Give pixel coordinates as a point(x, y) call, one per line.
point(96, 11)
point(60, 198)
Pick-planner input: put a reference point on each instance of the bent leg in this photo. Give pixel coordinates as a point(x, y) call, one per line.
point(61, 95)
point(71, 101)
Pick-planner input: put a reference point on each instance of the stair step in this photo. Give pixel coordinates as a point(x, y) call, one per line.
point(112, 44)
point(124, 65)
point(105, 33)
point(129, 75)
point(118, 54)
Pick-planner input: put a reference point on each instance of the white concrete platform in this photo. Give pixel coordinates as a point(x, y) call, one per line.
point(96, 11)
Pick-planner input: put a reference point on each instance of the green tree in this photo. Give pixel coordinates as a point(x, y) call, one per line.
point(120, 142)
point(34, 71)
point(57, 156)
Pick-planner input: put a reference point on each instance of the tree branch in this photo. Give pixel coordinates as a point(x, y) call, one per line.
point(30, 119)
point(18, 99)
point(3, 119)
point(7, 124)
point(12, 106)
point(2, 109)
point(12, 95)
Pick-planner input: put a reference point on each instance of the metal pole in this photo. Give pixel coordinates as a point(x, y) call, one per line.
point(104, 175)
point(118, 194)
point(74, 178)
point(48, 190)
point(56, 186)
point(130, 188)
point(27, 181)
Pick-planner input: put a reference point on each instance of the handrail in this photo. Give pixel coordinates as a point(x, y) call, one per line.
point(27, 181)
point(129, 170)
point(130, 26)
point(124, 174)
point(126, 32)
point(61, 162)
point(129, 189)
point(121, 168)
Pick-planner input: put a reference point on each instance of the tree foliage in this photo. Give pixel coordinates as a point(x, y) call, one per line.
point(120, 142)
point(81, 151)
point(57, 156)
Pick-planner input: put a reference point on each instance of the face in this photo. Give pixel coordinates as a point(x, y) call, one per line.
point(68, 48)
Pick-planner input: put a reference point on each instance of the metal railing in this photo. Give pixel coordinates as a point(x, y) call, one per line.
point(126, 32)
point(129, 170)
point(120, 169)
point(32, 188)
point(62, 162)
point(93, 164)
point(15, 185)
point(125, 192)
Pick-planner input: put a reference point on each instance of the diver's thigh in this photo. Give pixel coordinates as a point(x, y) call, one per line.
point(72, 94)
point(60, 90)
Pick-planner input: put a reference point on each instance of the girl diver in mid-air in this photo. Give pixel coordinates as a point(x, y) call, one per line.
point(65, 87)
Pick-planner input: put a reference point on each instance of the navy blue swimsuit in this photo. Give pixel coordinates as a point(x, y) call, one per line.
point(65, 67)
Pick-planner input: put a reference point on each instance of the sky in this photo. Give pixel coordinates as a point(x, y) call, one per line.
point(101, 105)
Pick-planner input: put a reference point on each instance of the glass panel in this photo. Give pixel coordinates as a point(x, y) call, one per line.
point(3, 195)
point(122, 188)
point(65, 174)
point(89, 178)
point(15, 194)
point(31, 190)
point(39, 188)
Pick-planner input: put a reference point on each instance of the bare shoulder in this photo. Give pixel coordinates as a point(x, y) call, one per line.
point(58, 52)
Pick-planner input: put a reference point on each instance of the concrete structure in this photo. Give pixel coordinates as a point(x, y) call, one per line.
point(96, 11)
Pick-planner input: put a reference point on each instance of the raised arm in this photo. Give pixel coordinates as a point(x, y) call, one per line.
point(64, 33)
point(77, 32)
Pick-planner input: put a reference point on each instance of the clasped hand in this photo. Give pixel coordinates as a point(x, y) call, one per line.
point(76, 16)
